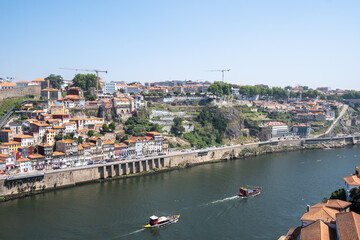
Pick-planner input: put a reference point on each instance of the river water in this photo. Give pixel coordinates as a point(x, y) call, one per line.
point(204, 196)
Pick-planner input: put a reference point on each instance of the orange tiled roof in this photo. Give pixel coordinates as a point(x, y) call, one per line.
point(38, 80)
point(352, 180)
point(23, 160)
point(58, 153)
point(66, 141)
point(337, 204)
point(7, 84)
point(50, 90)
point(348, 225)
point(154, 133)
point(108, 142)
point(24, 136)
point(36, 156)
point(317, 230)
point(320, 211)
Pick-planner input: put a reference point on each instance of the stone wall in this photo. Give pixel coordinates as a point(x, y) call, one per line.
point(70, 177)
point(20, 92)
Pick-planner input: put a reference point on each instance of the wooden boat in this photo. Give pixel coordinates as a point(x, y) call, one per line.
point(249, 192)
point(156, 222)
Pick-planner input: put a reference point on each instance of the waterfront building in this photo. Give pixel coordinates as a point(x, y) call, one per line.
point(302, 130)
point(352, 181)
point(278, 129)
point(67, 146)
point(47, 151)
point(121, 150)
point(24, 165)
point(38, 161)
point(8, 160)
point(108, 148)
point(155, 143)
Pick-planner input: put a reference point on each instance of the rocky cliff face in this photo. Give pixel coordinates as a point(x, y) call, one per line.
point(232, 116)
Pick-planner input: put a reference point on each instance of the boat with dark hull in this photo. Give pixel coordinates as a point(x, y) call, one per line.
point(156, 222)
point(249, 191)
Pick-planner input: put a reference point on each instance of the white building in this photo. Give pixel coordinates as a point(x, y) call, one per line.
point(25, 140)
point(278, 129)
point(352, 181)
point(110, 87)
point(70, 127)
point(24, 164)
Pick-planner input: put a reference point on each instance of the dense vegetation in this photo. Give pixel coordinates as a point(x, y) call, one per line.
point(86, 82)
point(210, 132)
point(7, 104)
point(55, 80)
point(139, 124)
point(177, 129)
point(351, 95)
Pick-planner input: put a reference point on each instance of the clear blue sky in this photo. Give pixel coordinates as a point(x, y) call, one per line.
point(279, 43)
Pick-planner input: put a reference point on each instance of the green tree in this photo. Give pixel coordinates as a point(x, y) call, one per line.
point(90, 133)
point(55, 80)
point(339, 194)
point(177, 93)
point(177, 128)
point(112, 126)
point(132, 93)
point(105, 127)
point(58, 137)
point(85, 81)
point(79, 140)
point(122, 90)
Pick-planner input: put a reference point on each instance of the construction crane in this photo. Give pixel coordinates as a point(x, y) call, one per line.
point(90, 70)
point(222, 72)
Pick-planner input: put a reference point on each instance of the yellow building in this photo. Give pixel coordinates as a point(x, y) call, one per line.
point(13, 146)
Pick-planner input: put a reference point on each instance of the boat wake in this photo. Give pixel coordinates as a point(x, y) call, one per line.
point(139, 230)
point(222, 200)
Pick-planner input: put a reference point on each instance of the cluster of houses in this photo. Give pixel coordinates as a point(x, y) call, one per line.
point(331, 220)
point(302, 110)
point(48, 137)
point(23, 153)
point(158, 87)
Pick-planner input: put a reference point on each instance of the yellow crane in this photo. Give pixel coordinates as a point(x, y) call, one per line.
point(90, 70)
point(222, 72)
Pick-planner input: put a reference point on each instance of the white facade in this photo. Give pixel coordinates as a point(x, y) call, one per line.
point(110, 88)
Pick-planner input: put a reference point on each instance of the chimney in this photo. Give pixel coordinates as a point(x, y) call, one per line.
point(307, 208)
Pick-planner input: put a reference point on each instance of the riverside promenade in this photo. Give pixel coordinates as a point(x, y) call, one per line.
point(30, 183)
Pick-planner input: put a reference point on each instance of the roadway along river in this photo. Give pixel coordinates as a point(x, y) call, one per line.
point(205, 196)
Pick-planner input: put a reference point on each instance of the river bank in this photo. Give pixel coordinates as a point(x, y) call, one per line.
point(32, 186)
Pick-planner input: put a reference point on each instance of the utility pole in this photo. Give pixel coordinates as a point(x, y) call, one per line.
point(90, 70)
